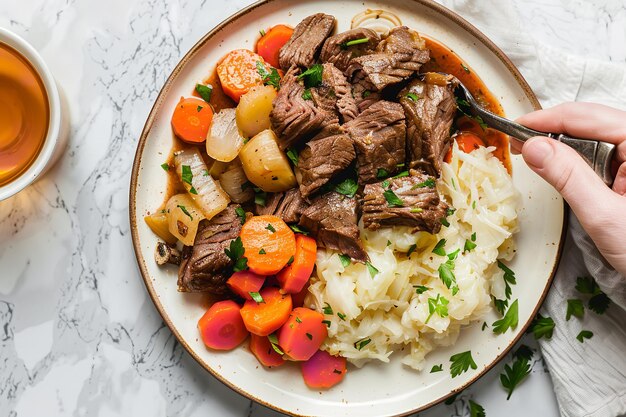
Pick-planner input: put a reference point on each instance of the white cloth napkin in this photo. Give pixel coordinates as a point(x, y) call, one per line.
point(589, 378)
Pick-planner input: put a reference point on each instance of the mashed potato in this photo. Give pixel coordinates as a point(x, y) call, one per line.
point(375, 315)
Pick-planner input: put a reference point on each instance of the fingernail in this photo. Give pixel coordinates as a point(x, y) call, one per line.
point(537, 151)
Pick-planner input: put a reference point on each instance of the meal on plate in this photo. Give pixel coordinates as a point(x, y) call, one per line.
point(337, 202)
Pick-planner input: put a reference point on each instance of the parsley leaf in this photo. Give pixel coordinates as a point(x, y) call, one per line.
point(430, 183)
point(184, 210)
point(372, 269)
point(401, 174)
point(599, 303)
point(165, 166)
point(392, 199)
point(542, 327)
point(341, 316)
point(306, 94)
point(241, 214)
point(360, 344)
point(438, 249)
point(584, 334)
point(461, 362)
point(292, 154)
point(186, 175)
point(509, 321)
point(312, 76)
point(256, 297)
point(446, 274)
point(309, 335)
point(509, 279)
point(587, 285)
point(274, 342)
point(297, 229)
point(411, 250)
point(523, 352)
point(327, 309)
point(500, 305)
point(381, 173)
point(354, 42)
point(574, 308)
point(437, 305)
point(465, 68)
point(204, 91)
point(436, 368)
point(268, 77)
point(290, 261)
point(476, 410)
point(235, 253)
point(421, 289)
point(514, 375)
point(260, 197)
point(347, 187)
point(262, 252)
point(412, 96)
point(469, 245)
point(270, 228)
point(345, 260)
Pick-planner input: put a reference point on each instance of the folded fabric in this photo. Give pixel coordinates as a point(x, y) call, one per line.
point(589, 377)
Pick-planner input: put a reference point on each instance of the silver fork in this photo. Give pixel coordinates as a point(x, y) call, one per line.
point(596, 153)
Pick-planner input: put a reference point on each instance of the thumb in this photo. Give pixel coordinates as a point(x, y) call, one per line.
point(566, 171)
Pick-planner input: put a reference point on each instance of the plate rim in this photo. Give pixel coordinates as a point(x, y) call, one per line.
point(437, 8)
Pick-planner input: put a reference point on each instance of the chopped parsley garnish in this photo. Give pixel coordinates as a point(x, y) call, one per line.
point(465, 68)
point(262, 32)
point(514, 374)
point(268, 77)
point(416, 210)
point(437, 305)
point(306, 94)
point(274, 342)
point(192, 190)
point(199, 108)
point(439, 248)
point(436, 368)
point(401, 174)
point(347, 187)
point(542, 327)
point(290, 261)
point(235, 253)
point(584, 334)
point(241, 214)
point(484, 326)
point(523, 352)
point(327, 309)
point(411, 250)
point(366, 93)
point(474, 204)
point(509, 279)
point(292, 154)
point(345, 260)
point(412, 96)
point(256, 297)
point(341, 316)
point(309, 336)
point(453, 255)
point(469, 245)
point(360, 344)
point(354, 42)
point(372, 269)
point(392, 199)
point(165, 166)
point(476, 410)
point(260, 197)
point(262, 252)
point(461, 362)
point(270, 228)
point(509, 321)
point(420, 289)
point(381, 173)
point(186, 175)
point(500, 305)
point(312, 76)
point(430, 183)
point(599, 301)
point(337, 371)
point(204, 91)
point(388, 242)
point(298, 320)
point(473, 237)
point(385, 184)
point(446, 273)
point(574, 308)
point(184, 210)
point(481, 122)
point(326, 322)
point(297, 229)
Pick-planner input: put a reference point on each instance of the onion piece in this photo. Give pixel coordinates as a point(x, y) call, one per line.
point(234, 182)
point(265, 165)
point(224, 140)
point(159, 223)
point(183, 218)
point(380, 21)
point(202, 188)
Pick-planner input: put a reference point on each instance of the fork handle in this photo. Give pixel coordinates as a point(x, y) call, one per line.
point(596, 153)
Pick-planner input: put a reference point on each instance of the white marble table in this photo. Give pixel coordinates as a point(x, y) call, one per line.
point(78, 333)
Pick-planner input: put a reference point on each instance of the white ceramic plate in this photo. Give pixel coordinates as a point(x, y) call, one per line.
point(377, 389)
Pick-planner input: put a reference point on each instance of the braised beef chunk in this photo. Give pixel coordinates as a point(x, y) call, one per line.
point(379, 139)
point(288, 205)
point(332, 220)
point(397, 57)
point(306, 40)
point(407, 201)
point(363, 94)
point(430, 106)
point(339, 49)
point(205, 267)
point(323, 157)
point(293, 117)
point(334, 95)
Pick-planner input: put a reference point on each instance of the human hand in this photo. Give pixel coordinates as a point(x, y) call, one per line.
point(600, 209)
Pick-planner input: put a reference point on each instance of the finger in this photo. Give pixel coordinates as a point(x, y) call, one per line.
point(566, 171)
point(619, 185)
point(583, 120)
point(516, 146)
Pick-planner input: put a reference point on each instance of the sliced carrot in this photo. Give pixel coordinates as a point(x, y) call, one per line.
point(221, 327)
point(262, 348)
point(293, 277)
point(263, 318)
point(269, 244)
point(302, 334)
point(238, 72)
point(191, 119)
point(323, 370)
point(269, 45)
point(243, 283)
point(467, 142)
point(298, 298)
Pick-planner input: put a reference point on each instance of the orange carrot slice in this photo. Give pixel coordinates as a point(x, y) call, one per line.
point(191, 119)
point(262, 348)
point(323, 370)
point(243, 283)
point(266, 315)
point(221, 327)
point(298, 299)
point(238, 72)
point(294, 276)
point(302, 334)
point(269, 45)
point(269, 244)
point(467, 142)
